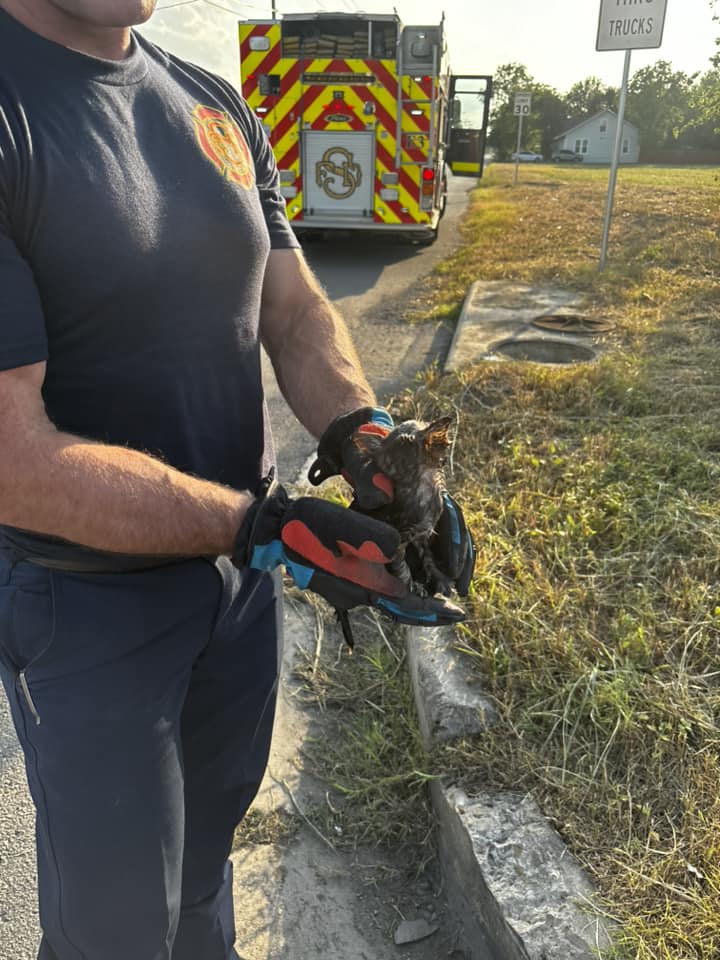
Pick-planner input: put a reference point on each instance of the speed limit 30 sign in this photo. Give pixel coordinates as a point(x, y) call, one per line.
point(522, 104)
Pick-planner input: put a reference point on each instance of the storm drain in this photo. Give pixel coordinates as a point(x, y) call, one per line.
point(544, 351)
point(572, 323)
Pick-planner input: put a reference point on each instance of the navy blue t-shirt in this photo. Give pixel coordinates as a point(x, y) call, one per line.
point(139, 200)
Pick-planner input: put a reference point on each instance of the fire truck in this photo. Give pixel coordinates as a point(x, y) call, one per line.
point(364, 118)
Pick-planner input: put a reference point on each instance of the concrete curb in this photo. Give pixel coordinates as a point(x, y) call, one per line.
point(517, 892)
point(503, 310)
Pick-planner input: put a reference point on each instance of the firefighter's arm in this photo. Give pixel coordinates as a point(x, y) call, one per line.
point(309, 345)
point(106, 497)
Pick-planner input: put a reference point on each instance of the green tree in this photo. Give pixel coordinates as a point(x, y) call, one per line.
point(549, 116)
point(587, 97)
point(702, 126)
point(659, 104)
point(508, 79)
point(546, 118)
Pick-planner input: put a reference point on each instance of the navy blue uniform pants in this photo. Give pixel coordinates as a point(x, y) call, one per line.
point(144, 705)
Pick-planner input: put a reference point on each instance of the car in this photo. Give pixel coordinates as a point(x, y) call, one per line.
point(566, 156)
point(528, 156)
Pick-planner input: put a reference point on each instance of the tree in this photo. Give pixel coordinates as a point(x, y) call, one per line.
point(659, 104)
point(508, 79)
point(546, 116)
point(550, 116)
point(588, 97)
point(702, 125)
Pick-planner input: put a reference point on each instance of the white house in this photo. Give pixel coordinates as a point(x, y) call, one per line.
point(594, 139)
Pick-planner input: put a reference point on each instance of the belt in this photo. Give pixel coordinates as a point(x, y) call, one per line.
point(101, 564)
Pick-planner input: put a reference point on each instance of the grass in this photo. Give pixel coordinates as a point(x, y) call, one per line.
point(374, 761)
point(593, 495)
point(594, 617)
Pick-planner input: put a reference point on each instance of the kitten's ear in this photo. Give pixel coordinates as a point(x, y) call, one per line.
point(435, 435)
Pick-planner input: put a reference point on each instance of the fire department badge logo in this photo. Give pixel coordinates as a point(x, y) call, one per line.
point(224, 145)
point(337, 173)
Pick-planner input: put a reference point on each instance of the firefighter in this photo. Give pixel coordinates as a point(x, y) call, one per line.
point(144, 256)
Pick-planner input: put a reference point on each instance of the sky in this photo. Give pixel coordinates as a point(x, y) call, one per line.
point(554, 39)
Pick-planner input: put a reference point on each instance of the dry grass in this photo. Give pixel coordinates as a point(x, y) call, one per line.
point(372, 755)
point(593, 494)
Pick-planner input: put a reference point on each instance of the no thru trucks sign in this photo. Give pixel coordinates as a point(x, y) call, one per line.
point(631, 24)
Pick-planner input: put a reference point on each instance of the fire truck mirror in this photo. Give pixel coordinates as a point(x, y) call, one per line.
point(269, 84)
point(456, 110)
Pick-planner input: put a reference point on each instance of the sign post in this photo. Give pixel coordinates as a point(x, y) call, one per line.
point(625, 27)
point(521, 109)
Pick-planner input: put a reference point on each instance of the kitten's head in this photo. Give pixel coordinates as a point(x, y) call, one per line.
point(413, 447)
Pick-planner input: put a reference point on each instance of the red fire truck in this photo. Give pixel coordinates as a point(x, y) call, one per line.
point(364, 118)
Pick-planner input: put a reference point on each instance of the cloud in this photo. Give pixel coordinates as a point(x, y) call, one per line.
point(202, 34)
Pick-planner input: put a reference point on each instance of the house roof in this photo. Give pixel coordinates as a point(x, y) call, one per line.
point(582, 123)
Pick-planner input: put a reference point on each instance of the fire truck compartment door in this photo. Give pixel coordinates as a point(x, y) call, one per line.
point(338, 173)
point(468, 120)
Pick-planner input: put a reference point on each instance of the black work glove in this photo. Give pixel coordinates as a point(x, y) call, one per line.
point(452, 548)
point(336, 552)
point(337, 454)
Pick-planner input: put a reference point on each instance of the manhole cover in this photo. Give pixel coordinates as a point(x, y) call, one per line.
point(571, 323)
point(544, 351)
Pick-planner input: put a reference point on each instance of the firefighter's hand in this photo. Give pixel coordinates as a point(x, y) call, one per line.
point(337, 454)
point(452, 546)
point(338, 553)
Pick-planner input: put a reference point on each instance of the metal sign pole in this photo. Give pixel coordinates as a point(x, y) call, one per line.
point(615, 160)
point(517, 149)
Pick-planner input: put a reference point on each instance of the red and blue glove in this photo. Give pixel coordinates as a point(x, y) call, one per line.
point(337, 454)
point(337, 553)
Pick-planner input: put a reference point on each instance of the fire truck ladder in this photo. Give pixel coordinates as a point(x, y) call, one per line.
point(402, 100)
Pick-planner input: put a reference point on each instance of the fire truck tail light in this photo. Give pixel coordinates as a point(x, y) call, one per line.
point(390, 179)
point(427, 188)
point(389, 193)
point(288, 192)
point(259, 43)
point(287, 176)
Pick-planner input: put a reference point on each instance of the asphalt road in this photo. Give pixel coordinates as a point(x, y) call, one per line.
point(368, 278)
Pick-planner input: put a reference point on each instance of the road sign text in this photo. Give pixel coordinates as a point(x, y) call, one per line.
point(630, 24)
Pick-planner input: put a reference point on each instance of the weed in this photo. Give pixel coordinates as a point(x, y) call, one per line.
point(594, 619)
point(375, 763)
point(594, 616)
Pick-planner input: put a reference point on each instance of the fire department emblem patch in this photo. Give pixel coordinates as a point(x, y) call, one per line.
point(224, 145)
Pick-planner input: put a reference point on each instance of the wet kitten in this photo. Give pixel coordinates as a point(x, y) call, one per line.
point(413, 456)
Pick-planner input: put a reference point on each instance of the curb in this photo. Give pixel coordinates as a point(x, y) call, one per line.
point(517, 892)
point(496, 311)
